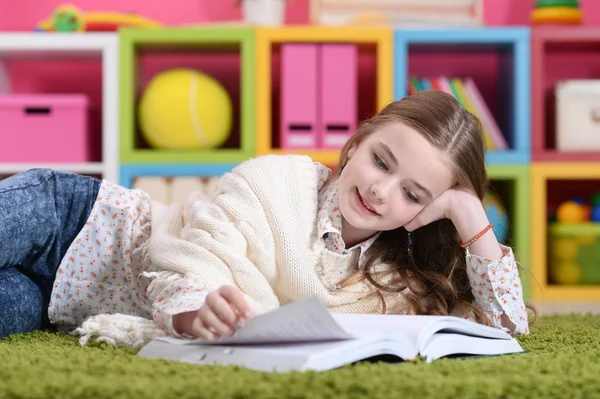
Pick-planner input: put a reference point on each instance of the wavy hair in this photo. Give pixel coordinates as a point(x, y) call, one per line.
point(434, 279)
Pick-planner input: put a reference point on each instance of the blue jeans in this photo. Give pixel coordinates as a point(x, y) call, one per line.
point(41, 213)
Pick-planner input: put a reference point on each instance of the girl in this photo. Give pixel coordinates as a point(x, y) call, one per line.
point(402, 229)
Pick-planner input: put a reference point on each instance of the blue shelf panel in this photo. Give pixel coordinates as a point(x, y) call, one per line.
point(507, 157)
point(130, 171)
point(498, 35)
point(515, 40)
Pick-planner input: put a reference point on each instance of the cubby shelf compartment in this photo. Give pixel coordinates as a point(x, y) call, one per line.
point(559, 53)
point(103, 47)
point(498, 59)
point(374, 43)
point(542, 176)
point(236, 45)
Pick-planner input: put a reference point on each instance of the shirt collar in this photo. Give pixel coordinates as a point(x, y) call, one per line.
point(329, 220)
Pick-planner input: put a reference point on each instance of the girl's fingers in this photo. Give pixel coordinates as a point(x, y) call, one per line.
point(198, 330)
point(212, 322)
point(235, 297)
point(433, 211)
point(221, 307)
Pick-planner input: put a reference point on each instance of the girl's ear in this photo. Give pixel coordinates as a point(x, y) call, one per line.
point(351, 152)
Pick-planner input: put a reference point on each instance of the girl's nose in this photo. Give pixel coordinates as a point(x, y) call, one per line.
point(379, 193)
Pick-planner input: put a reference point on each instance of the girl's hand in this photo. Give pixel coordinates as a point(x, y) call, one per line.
point(441, 208)
point(223, 312)
point(467, 213)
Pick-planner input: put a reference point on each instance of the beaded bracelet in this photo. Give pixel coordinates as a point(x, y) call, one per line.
point(478, 236)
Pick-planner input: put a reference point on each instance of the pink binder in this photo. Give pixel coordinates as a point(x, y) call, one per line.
point(338, 92)
point(299, 96)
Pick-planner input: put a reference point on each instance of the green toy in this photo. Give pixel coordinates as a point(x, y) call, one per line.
point(556, 3)
point(67, 20)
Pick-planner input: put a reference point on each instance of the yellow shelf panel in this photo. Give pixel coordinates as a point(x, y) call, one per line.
point(319, 34)
point(329, 158)
point(566, 171)
point(569, 293)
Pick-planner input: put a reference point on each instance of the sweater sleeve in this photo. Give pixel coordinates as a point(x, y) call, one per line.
point(497, 289)
point(224, 241)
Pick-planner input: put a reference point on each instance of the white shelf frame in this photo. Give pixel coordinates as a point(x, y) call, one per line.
point(73, 46)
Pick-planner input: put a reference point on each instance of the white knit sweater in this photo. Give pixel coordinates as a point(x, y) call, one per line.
point(257, 233)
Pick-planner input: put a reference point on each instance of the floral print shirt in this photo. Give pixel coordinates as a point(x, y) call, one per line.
point(103, 271)
point(496, 284)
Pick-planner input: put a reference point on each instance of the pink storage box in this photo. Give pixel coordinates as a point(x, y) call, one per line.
point(44, 128)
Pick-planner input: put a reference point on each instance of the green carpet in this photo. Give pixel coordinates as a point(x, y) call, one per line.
point(563, 362)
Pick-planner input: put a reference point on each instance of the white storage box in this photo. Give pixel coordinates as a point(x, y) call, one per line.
point(578, 115)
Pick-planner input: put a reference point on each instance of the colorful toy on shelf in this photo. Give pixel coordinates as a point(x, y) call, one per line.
point(588, 258)
point(68, 18)
point(571, 212)
point(566, 273)
point(557, 12)
point(496, 213)
point(577, 210)
point(574, 253)
point(185, 109)
point(574, 242)
point(596, 199)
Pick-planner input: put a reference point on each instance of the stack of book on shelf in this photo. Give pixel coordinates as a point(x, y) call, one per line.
point(466, 92)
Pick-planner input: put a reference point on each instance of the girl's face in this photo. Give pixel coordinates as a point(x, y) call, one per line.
point(389, 178)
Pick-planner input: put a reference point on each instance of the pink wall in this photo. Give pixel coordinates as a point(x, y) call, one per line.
point(24, 14)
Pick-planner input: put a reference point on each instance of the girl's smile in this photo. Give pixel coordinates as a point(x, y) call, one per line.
point(365, 206)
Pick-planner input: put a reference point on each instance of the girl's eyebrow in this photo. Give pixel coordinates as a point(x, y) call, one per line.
point(420, 187)
point(389, 152)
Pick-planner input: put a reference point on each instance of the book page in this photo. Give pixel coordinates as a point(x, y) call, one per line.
point(301, 321)
point(365, 324)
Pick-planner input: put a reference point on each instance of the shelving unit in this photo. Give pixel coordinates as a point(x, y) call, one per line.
point(558, 53)
point(498, 59)
point(16, 47)
point(375, 48)
point(515, 69)
point(552, 183)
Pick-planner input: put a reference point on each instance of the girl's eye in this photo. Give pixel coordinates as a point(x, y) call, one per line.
point(379, 162)
point(411, 197)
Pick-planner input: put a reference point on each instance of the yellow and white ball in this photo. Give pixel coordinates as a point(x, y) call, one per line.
point(185, 109)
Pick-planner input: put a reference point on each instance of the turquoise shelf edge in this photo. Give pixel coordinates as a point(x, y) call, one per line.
point(128, 172)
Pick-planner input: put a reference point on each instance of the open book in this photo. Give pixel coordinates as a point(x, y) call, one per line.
point(304, 335)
